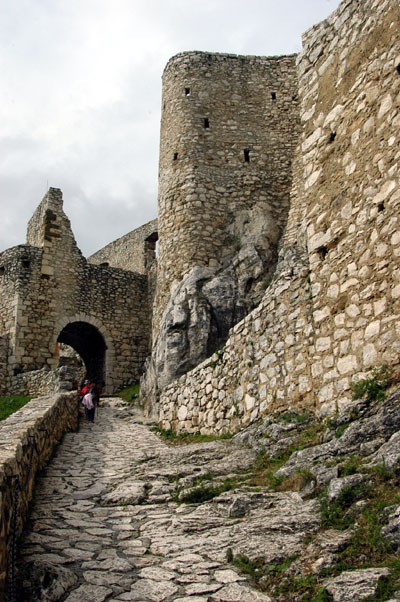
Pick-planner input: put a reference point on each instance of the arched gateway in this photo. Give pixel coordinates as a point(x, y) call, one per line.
point(49, 294)
point(90, 344)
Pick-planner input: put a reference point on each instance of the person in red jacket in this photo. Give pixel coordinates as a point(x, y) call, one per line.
point(85, 389)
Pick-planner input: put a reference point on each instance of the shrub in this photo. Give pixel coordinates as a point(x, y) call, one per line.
point(374, 387)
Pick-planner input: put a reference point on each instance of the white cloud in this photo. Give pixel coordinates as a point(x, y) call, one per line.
point(82, 94)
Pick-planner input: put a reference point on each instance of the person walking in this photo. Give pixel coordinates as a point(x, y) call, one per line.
point(95, 391)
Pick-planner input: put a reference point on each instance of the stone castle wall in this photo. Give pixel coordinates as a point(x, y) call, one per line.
point(134, 252)
point(27, 441)
point(49, 292)
point(350, 86)
point(228, 133)
point(332, 311)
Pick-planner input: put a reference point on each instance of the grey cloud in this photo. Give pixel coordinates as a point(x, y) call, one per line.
point(82, 104)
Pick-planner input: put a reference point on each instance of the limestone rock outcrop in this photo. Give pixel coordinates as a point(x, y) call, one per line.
point(202, 309)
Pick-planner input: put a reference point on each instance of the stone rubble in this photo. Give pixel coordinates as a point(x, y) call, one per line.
point(107, 525)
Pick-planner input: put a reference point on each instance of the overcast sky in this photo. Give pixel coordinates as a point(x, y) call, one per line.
point(80, 84)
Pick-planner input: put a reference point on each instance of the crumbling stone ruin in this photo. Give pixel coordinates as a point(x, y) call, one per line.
point(277, 277)
point(50, 294)
point(277, 284)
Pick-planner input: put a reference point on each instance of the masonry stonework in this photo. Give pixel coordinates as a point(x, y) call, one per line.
point(27, 441)
point(278, 240)
point(134, 252)
point(228, 133)
point(332, 311)
point(50, 294)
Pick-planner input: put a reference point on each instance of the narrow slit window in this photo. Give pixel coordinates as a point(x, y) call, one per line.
point(187, 91)
point(273, 95)
point(398, 68)
point(332, 137)
point(206, 122)
point(246, 153)
point(175, 156)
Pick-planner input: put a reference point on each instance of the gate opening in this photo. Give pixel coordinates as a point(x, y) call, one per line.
point(89, 343)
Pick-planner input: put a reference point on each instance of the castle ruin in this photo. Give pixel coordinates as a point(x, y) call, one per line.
point(277, 278)
point(50, 294)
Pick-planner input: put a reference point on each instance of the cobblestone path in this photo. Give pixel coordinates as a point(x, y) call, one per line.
point(105, 524)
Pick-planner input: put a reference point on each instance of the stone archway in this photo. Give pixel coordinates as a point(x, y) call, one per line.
point(88, 341)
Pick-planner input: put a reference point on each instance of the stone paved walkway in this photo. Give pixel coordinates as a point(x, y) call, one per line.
point(105, 526)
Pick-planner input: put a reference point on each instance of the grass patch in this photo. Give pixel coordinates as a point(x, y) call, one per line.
point(374, 387)
point(184, 438)
point(340, 430)
point(205, 492)
point(263, 473)
point(337, 513)
point(290, 417)
point(352, 465)
point(129, 394)
point(254, 569)
point(298, 481)
point(273, 577)
point(11, 403)
point(367, 546)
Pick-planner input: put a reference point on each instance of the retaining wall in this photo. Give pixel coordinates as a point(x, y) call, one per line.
point(27, 440)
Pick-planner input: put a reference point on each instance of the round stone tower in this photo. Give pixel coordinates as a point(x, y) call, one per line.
point(228, 132)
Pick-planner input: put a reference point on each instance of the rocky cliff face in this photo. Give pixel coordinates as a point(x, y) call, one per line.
point(208, 302)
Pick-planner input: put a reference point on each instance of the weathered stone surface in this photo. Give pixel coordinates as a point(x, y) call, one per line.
point(354, 586)
point(177, 551)
point(203, 308)
point(377, 421)
point(391, 531)
point(171, 551)
point(238, 593)
point(126, 493)
point(89, 593)
point(45, 582)
point(156, 591)
point(336, 486)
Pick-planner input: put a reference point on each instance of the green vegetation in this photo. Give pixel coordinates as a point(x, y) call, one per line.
point(184, 438)
point(289, 417)
point(274, 577)
point(263, 472)
point(253, 568)
point(351, 466)
point(11, 403)
point(337, 513)
point(129, 394)
point(204, 492)
point(362, 508)
point(374, 387)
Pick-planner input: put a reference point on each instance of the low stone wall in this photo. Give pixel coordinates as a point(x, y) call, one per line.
point(27, 441)
point(46, 382)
